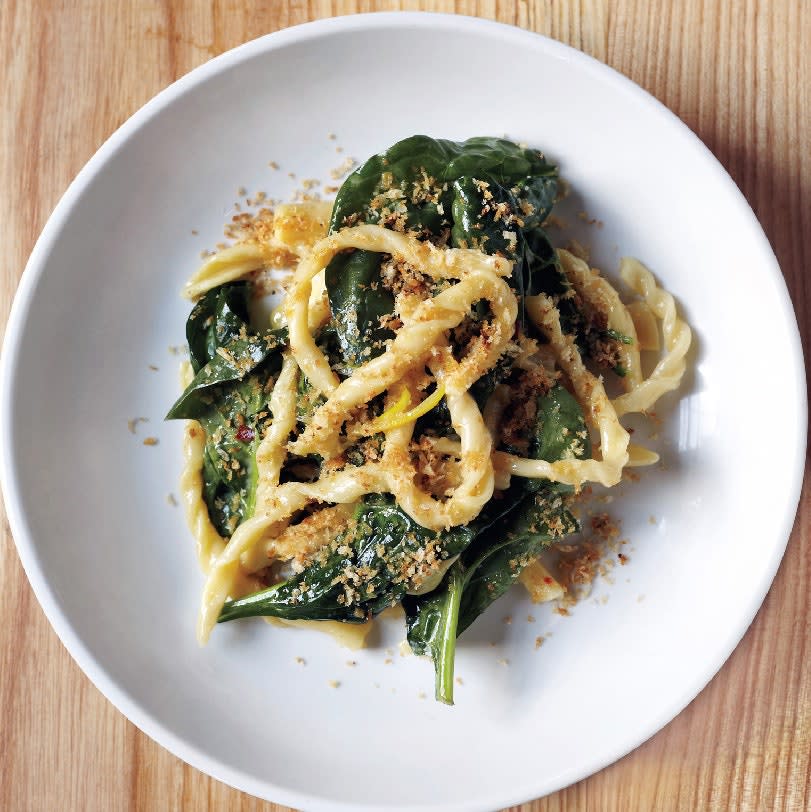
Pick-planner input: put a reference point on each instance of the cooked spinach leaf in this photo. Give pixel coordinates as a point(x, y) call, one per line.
point(231, 365)
point(483, 192)
point(370, 567)
point(308, 400)
point(422, 169)
point(215, 320)
point(492, 562)
point(358, 301)
point(234, 426)
point(483, 573)
point(222, 348)
point(559, 432)
point(432, 627)
point(235, 369)
point(485, 216)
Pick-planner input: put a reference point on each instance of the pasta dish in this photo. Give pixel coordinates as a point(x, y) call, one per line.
point(411, 426)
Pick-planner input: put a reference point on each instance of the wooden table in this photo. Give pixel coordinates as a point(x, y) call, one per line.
point(738, 73)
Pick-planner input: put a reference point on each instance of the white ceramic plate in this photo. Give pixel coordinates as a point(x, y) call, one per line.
point(112, 563)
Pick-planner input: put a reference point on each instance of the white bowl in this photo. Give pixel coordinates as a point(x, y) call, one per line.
point(112, 563)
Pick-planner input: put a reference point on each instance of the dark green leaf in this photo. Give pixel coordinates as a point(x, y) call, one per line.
point(307, 400)
point(382, 552)
point(235, 370)
point(495, 561)
point(432, 187)
point(358, 300)
point(215, 320)
point(560, 430)
point(238, 359)
point(536, 513)
point(234, 425)
point(433, 630)
point(479, 219)
point(422, 170)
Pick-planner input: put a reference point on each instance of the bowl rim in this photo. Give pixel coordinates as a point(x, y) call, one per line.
point(59, 219)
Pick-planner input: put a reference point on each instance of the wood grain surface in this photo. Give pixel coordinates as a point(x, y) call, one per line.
point(738, 73)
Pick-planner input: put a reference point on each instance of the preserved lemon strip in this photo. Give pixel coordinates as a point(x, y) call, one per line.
point(395, 417)
point(399, 405)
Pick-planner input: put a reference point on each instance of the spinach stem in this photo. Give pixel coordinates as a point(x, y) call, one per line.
point(447, 648)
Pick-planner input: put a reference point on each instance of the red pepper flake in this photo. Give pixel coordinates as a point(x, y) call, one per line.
point(245, 434)
point(548, 580)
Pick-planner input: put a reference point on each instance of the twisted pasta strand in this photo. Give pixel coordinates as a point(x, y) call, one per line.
point(677, 335)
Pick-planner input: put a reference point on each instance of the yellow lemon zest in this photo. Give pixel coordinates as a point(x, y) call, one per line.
point(394, 416)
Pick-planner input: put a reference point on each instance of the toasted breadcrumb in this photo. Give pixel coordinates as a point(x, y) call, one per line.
point(592, 221)
point(343, 168)
point(132, 424)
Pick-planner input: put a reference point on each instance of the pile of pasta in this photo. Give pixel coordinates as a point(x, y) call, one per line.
point(419, 353)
